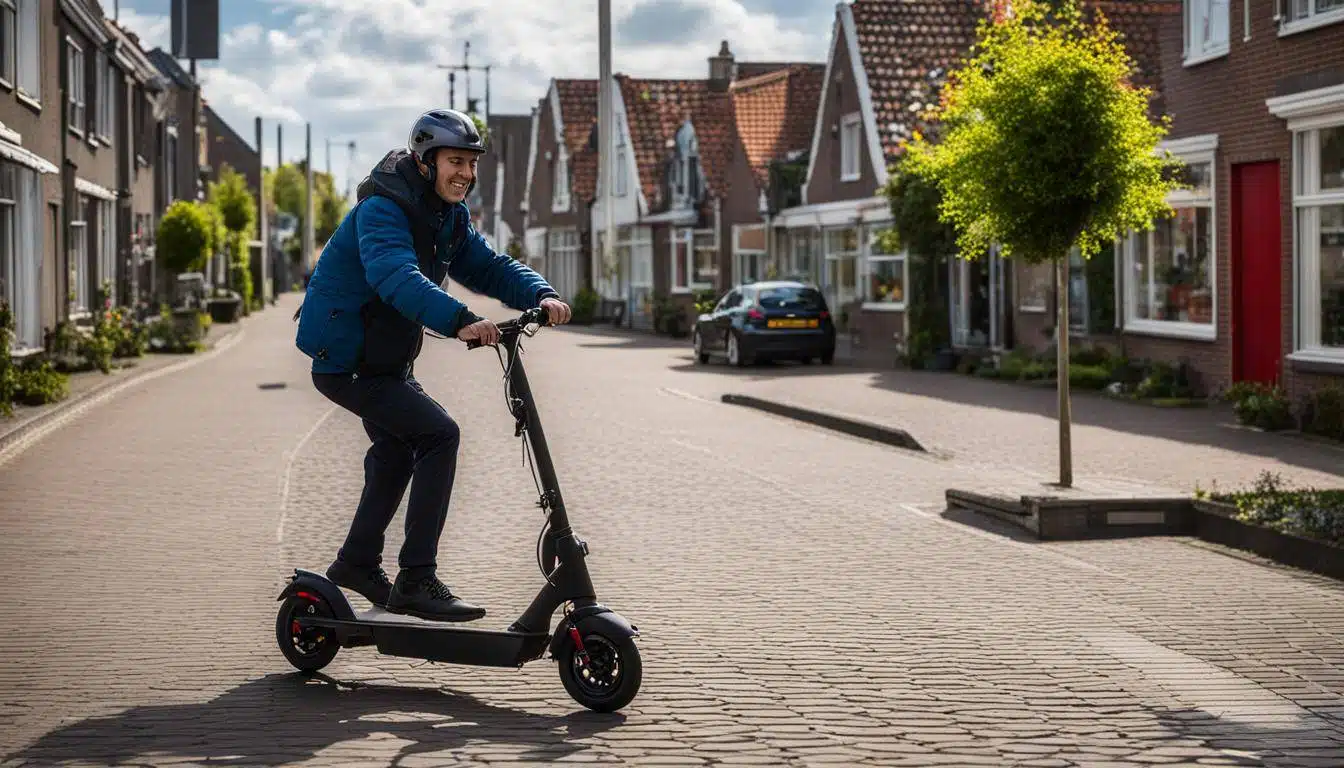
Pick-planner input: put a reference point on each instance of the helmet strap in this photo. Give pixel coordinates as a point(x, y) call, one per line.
point(428, 160)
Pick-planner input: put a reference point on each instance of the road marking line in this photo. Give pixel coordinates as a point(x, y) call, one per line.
point(687, 395)
point(65, 416)
point(289, 466)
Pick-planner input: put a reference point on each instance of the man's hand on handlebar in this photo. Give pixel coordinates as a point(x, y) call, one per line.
point(557, 311)
point(479, 333)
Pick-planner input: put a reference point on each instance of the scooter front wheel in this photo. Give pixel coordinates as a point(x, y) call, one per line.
point(605, 675)
point(308, 649)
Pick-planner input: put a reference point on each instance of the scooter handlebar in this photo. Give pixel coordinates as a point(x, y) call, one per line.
point(536, 316)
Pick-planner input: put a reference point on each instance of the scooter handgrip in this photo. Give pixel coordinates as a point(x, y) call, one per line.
point(474, 343)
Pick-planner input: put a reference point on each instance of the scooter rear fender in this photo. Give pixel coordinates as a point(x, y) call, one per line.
point(316, 583)
point(593, 619)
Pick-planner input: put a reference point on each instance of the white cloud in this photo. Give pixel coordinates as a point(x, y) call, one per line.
point(363, 71)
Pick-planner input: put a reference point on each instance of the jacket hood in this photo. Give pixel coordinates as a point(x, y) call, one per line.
point(397, 176)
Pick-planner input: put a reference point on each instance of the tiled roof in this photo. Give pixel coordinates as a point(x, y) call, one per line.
point(908, 46)
point(578, 113)
point(776, 113)
point(655, 110)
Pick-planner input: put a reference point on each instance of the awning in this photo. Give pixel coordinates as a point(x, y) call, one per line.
point(847, 212)
point(676, 216)
point(24, 157)
point(93, 190)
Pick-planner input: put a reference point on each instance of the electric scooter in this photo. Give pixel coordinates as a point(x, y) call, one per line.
point(595, 647)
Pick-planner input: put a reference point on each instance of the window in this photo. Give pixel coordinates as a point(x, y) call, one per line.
point(749, 254)
point(74, 72)
point(637, 244)
point(21, 252)
point(106, 261)
point(560, 183)
point(9, 39)
point(803, 246)
point(1206, 29)
point(1035, 286)
point(103, 101)
point(694, 253)
point(685, 169)
point(170, 165)
point(1318, 203)
point(79, 257)
point(1309, 14)
point(841, 276)
point(1170, 270)
point(28, 53)
point(850, 135)
point(791, 297)
point(884, 287)
point(562, 260)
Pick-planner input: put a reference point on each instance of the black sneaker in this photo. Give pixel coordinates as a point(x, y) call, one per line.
point(426, 597)
point(371, 582)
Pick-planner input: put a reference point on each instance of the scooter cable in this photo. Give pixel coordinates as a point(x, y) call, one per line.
point(527, 453)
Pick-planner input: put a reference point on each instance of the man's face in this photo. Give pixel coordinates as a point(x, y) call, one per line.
point(456, 171)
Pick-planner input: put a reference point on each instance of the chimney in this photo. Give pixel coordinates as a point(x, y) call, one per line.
point(722, 69)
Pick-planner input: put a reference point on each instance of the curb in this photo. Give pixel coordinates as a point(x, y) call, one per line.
point(14, 442)
point(878, 433)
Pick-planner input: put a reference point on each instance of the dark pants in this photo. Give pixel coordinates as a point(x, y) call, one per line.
point(413, 437)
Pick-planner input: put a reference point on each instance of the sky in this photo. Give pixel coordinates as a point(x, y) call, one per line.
point(362, 70)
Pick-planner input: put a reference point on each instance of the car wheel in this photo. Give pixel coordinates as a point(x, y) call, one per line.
point(698, 344)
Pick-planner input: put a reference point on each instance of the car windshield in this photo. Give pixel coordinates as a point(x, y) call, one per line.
point(791, 297)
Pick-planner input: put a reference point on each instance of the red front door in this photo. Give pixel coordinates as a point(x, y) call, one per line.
point(1257, 268)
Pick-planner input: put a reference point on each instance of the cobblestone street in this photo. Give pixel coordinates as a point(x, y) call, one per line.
point(802, 597)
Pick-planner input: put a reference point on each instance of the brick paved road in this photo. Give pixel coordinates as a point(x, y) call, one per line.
point(802, 598)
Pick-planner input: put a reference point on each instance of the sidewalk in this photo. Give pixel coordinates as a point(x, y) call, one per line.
point(1005, 426)
point(89, 384)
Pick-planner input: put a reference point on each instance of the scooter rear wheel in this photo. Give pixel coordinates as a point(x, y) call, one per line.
point(308, 649)
point(606, 676)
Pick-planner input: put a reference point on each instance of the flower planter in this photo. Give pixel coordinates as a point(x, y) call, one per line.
point(1217, 522)
point(225, 309)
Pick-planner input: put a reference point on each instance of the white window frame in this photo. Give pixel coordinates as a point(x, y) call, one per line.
point(1204, 12)
point(105, 99)
point(562, 259)
point(560, 182)
point(687, 235)
point(27, 230)
point(1019, 284)
point(834, 296)
point(78, 258)
point(865, 270)
point(28, 47)
point(851, 141)
point(106, 262)
point(1310, 18)
point(77, 87)
point(1307, 113)
point(9, 42)
point(1196, 149)
point(639, 239)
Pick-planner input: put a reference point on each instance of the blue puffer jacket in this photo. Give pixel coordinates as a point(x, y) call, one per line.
point(377, 283)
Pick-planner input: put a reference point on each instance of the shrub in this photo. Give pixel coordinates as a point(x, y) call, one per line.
point(1312, 513)
point(1263, 406)
point(1323, 412)
point(1090, 376)
point(585, 305)
point(184, 237)
point(38, 383)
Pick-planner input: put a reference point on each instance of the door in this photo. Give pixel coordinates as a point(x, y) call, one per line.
point(723, 318)
point(1257, 268)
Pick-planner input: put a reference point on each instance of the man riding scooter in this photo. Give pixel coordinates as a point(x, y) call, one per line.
point(374, 290)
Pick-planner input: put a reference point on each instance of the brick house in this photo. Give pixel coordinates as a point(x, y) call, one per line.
point(89, 154)
point(885, 62)
point(1247, 282)
point(502, 179)
point(138, 97)
point(561, 174)
point(31, 199)
point(689, 210)
point(181, 134)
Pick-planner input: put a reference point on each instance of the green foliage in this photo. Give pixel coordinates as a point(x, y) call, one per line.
point(234, 201)
point(178, 332)
point(585, 305)
point(184, 237)
point(1046, 143)
point(1309, 512)
point(38, 383)
point(482, 127)
point(8, 376)
point(240, 269)
point(915, 200)
point(286, 190)
point(1323, 412)
point(1261, 405)
point(705, 299)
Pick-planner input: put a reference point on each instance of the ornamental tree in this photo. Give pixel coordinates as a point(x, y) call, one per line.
point(1046, 144)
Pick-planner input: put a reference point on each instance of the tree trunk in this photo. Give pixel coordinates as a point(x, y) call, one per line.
point(1062, 373)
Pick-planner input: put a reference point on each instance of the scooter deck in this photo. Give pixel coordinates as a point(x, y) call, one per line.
point(450, 642)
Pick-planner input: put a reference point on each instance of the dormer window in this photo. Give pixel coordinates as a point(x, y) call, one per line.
point(685, 171)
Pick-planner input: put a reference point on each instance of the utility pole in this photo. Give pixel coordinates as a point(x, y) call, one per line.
point(466, 68)
point(604, 124)
point(263, 233)
point(308, 212)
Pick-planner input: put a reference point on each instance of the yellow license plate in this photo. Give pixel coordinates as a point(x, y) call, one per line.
point(791, 323)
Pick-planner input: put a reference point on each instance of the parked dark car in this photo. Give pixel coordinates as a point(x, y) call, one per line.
point(776, 320)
